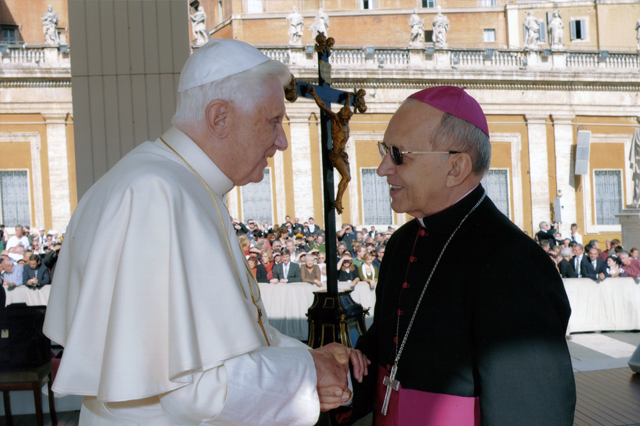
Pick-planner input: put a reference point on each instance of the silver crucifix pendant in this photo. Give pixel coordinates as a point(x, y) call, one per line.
point(392, 384)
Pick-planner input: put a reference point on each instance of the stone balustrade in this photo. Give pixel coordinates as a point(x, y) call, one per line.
point(45, 56)
point(459, 58)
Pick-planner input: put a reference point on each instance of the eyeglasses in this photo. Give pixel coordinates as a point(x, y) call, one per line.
point(396, 154)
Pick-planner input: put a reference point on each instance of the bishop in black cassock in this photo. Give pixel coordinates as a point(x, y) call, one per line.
point(487, 345)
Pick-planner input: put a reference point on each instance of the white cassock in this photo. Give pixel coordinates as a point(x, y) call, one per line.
point(152, 302)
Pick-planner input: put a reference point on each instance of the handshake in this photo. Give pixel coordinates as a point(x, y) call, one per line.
point(332, 369)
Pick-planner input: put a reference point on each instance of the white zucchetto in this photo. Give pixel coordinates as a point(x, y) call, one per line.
point(217, 59)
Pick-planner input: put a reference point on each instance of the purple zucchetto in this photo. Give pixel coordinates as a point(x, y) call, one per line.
point(455, 101)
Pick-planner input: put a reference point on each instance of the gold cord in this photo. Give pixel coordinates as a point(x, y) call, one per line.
point(250, 276)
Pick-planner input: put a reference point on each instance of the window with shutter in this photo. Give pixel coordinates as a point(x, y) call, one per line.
point(14, 193)
point(608, 196)
point(376, 201)
point(256, 200)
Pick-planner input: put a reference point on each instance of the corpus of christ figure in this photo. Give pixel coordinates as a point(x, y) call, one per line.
point(340, 135)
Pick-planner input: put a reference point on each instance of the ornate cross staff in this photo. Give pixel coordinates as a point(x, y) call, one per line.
point(334, 134)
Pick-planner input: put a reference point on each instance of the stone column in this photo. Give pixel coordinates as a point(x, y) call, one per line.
point(565, 164)
point(58, 170)
point(301, 164)
point(538, 169)
point(281, 195)
point(232, 203)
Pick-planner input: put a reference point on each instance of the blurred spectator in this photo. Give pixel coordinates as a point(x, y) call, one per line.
point(51, 259)
point(37, 247)
point(313, 228)
point(277, 257)
point(258, 270)
point(373, 233)
point(360, 251)
point(566, 242)
point(322, 265)
point(35, 274)
point(3, 238)
point(240, 228)
point(565, 266)
point(342, 248)
point(547, 232)
point(319, 244)
point(587, 248)
point(370, 247)
point(380, 239)
point(276, 245)
point(348, 271)
point(614, 243)
point(368, 272)
point(12, 275)
point(608, 244)
point(266, 260)
point(614, 269)
point(630, 266)
point(379, 253)
point(360, 235)
point(297, 226)
point(346, 234)
point(575, 236)
point(283, 235)
point(578, 257)
point(634, 253)
point(245, 244)
point(287, 271)
point(19, 239)
point(617, 250)
point(546, 246)
point(594, 267)
point(26, 256)
point(300, 258)
point(310, 272)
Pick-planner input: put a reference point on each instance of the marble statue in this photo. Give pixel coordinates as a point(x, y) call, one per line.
point(417, 30)
point(532, 26)
point(638, 33)
point(556, 31)
point(320, 24)
point(296, 27)
point(199, 26)
point(50, 26)
point(440, 28)
point(634, 158)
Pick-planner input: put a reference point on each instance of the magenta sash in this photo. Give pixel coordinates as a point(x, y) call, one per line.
point(408, 407)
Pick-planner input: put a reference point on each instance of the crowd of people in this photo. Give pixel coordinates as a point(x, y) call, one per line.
point(28, 258)
point(296, 252)
point(573, 259)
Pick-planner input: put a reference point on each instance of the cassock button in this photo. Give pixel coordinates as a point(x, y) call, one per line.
point(388, 367)
point(413, 259)
point(405, 285)
point(400, 312)
point(395, 339)
point(422, 233)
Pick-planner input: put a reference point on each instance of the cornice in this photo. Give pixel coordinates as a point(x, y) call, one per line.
point(422, 83)
point(28, 84)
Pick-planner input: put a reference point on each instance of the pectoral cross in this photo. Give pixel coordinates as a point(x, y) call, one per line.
point(392, 384)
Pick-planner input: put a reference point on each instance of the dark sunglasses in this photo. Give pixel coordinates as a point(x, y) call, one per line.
point(396, 154)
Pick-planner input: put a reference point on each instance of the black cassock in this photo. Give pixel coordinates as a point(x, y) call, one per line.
point(491, 325)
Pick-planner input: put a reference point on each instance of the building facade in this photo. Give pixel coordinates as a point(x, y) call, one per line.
point(37, 161)
point(542, 86)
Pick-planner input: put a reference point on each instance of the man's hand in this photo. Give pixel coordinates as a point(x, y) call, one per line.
point(601, 276)
point(283, 280)
point(274, 281)
point(332, 367)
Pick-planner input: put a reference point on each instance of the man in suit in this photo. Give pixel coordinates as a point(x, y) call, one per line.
point(547, 232)
point(313, 228)
point(578, 251)
point(35, 274)
point(287, 271)
point(593, 267)
point(565, 266)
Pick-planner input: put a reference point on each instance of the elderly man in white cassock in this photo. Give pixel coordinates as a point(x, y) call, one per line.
point(180, 336)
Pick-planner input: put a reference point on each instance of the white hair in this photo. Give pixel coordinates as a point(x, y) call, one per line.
point(542, 224)
point(240, 89)
point(456, 134)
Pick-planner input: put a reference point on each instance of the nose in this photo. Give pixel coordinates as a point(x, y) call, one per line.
point(281, 142)
point(386, 168)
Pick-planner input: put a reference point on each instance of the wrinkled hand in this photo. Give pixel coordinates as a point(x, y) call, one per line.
point(332, 368)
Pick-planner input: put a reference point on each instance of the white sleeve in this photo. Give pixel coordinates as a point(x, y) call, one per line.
point(268, 386)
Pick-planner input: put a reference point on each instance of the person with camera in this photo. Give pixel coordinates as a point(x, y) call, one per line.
point(547, 232)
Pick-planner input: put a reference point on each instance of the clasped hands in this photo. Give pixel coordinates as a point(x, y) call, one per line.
point(332, 368)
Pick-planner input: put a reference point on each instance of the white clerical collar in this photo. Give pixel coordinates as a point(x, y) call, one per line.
point(212, 175)
point(420, 219)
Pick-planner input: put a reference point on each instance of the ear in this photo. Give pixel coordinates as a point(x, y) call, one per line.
point(461, 168)
point(218, 118)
